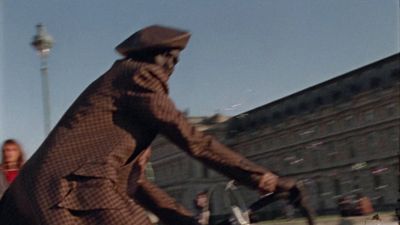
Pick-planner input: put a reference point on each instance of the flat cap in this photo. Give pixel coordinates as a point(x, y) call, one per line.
point(154, 37)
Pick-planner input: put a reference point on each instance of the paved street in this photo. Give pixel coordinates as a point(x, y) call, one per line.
point(335, 220)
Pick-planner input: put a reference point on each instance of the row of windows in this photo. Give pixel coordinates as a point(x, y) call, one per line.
point(320, 154)
point(343, 122)
point(364, 117)
point(371, 140)
point(367, 115)
point(380, 187)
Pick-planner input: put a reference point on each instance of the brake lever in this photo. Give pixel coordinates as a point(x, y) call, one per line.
point(262, 202)
point(272, 197)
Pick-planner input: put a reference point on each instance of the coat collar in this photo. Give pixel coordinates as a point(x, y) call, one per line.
point(150, 77)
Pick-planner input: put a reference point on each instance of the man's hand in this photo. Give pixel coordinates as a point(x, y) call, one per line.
point(268, 183)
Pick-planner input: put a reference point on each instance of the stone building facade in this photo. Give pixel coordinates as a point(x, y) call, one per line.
point(340, 136)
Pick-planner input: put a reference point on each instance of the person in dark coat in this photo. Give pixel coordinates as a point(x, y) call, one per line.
point(86, 172)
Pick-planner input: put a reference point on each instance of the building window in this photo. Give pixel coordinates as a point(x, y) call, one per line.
point(369, 115)
point(273, 164)
point(307, 132)
point(271, 142)
point(393, 135)
point(330, 126)
point(320, 190)
point(356, 187)
point(321, 204)
point(303, 107)
point(355, 88)
point(254, 148)
point(390, 110)
point(288, 160)
point(332, 153)
point(350, 147)
point(372, 142)
point(278, 141)
point(276, 115)
point(289, 111)
point(299, 160)
point(336, 95)
point(374, 82)
point(283, 139)
point(336, 185)
point(395, 74)
point(318, 101)
point(290, 138)
point(391, 140)
point(380, 200)
point(315, 158)
point(266, 144)
point(349, 121)
point(205, 172)
point(377, 181)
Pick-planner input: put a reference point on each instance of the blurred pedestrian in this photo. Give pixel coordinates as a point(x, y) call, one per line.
point(156, 198)
point(364, 205)
point(12, 161)
point(346, 207)
point(203, 209)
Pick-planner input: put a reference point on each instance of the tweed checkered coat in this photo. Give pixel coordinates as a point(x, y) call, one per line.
point(85, 173)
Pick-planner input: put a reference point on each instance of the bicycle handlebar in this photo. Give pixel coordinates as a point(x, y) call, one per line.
point(269, 198)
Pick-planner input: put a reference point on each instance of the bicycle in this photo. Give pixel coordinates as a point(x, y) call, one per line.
point(241, 216)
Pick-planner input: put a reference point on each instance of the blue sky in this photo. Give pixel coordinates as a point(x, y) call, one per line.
point(1, 70)
point(242, 53)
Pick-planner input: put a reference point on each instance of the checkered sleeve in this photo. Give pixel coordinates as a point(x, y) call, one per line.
point(163, 205)
point(159, 111)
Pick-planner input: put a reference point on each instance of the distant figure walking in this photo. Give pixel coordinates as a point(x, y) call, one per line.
point(202, 205)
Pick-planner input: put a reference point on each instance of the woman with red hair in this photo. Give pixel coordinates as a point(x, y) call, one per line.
point(12, 161)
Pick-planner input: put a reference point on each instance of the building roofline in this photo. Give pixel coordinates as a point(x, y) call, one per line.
point(324, 83)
